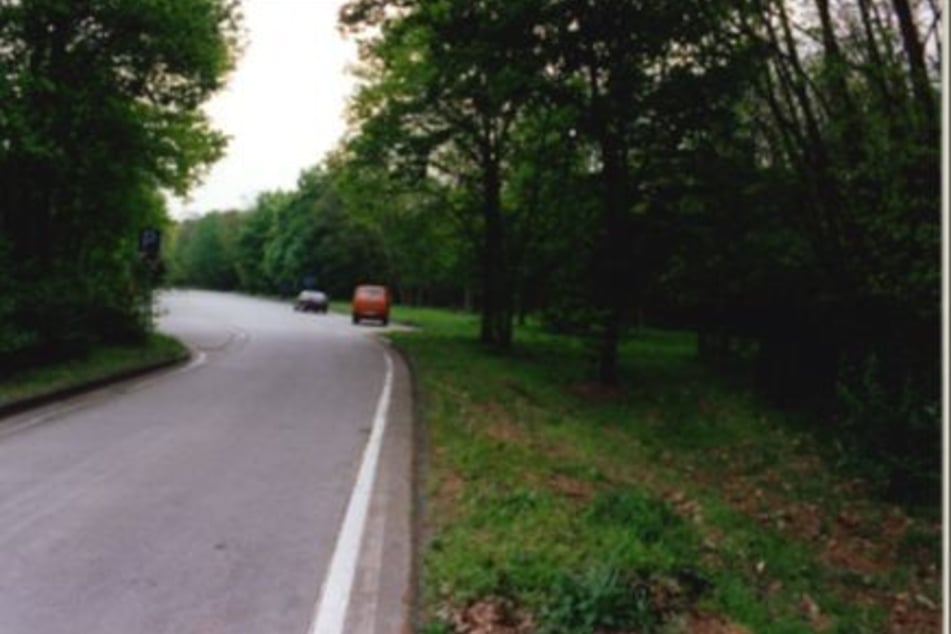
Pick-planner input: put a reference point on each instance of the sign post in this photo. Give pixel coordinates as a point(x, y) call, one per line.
point(150, 243)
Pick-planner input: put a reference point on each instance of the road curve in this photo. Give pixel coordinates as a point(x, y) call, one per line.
point(203, 500)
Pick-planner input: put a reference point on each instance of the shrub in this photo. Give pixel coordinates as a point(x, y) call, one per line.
point(892, 433)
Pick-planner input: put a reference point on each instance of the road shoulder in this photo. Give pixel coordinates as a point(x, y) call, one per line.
point(81, 378)
point(383, 590)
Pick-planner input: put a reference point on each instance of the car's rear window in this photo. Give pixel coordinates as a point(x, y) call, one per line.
point(371, 292)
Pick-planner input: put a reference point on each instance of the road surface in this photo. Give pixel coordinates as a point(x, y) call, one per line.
point(208, 498)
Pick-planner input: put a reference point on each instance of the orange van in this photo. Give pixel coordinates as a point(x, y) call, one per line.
point(371, 302)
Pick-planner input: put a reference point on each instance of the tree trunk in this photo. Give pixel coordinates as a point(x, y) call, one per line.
point(915, 53)
point(467, 302)
point(496, 324)
point(875, 58)
point(842, 104)
point(826, 217)
point(836, 63)
point(610, 287)
point(608, 373)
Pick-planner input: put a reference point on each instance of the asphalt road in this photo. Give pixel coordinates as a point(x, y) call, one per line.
point(205, 499)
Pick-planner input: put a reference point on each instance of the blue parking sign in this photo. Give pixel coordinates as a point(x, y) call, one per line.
point(150, 242)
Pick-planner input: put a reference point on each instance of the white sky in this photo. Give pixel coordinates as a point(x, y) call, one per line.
point(283, 106)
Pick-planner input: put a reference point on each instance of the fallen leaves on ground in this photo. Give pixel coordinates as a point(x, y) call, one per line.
point(708, 623)
point(856, 536)
point(492, 615)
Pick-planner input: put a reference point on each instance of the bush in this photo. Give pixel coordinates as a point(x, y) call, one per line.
point(603, 599)
point(14, 338)
point(891, 433)
point(48, 316)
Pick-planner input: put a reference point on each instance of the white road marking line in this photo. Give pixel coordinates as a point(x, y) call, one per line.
point(331, 610)
point(49, 414)
point(198, 359)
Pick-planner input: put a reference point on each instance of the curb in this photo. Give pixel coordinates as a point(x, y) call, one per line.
point(418, 503)
point(45, 398)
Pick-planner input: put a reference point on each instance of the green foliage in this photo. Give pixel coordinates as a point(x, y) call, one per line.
point(652, 518)
point(48, 316)
point(849, 128)
point(251, 242)
point(203, 252)
point(891, 433)
point(415, 224)
point(99, 111)
point(449, 82)
point(602, 599)
point(288, 240)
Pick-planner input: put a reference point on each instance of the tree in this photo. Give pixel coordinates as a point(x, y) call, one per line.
point(417, 224)
point(252, 241)
point(289, 240)
point(642, 77)
point(205, 250)
point(99, 110)
point(313, 237)
point(852, 117)
point(449, 82)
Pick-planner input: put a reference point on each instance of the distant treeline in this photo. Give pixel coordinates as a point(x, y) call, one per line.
point(315, 238)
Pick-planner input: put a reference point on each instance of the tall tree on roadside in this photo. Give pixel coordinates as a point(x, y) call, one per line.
point(252, 241)
point(856, 122)
point(851, 116)
point(425, 254)
point(643, 76)
point(203, 251)
point(448, 81)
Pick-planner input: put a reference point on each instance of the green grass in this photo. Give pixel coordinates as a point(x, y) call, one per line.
point(614, 510)
point(101, 363)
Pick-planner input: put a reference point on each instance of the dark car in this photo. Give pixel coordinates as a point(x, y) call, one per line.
point(314, 301)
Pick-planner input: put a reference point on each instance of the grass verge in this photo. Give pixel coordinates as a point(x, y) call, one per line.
point(101, 364)
point(676, 503)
